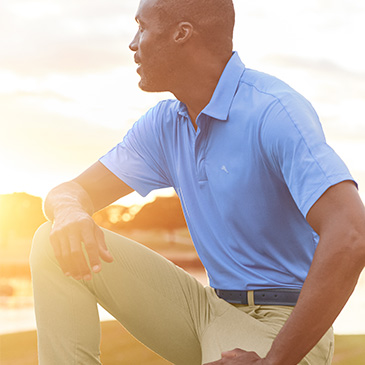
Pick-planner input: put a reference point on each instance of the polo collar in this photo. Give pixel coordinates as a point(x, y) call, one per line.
point(223, 95)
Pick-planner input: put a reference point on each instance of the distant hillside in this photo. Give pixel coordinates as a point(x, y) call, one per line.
point(20, 216)
point(158, 225)
point(164, 213)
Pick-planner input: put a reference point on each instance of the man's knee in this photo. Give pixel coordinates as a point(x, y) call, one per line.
point(41, 245)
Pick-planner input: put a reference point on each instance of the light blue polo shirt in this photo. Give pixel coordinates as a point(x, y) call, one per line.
point(246, 178)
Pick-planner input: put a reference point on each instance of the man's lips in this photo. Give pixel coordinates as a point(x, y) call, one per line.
point(137, 60)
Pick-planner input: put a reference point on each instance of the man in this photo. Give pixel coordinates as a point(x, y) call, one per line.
point(273, 212)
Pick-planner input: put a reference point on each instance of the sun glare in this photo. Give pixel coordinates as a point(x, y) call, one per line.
point(90, 109)
point(35, 9)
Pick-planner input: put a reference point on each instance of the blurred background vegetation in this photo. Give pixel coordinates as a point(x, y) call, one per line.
point(159, 225)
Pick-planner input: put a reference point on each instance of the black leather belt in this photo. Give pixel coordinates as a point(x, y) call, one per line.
point(260, 297)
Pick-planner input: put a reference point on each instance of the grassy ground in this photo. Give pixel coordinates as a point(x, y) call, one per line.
point(118, 347)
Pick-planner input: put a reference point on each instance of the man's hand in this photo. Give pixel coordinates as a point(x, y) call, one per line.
point(239, 357)
point(72, 229)
point(70, 206)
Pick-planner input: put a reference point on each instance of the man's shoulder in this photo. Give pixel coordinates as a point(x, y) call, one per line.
point(166, 112)
point(272, 89)
point(160, 115)
point(265, 83)
point(166, 106)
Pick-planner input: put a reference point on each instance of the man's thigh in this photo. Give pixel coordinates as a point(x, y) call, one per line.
point(254, 328)
point(153, 298)
point(173, 314)
point(156, 301)
point(170, 311)
point(167, 309)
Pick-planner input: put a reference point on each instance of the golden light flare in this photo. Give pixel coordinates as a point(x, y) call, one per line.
point(68, 86)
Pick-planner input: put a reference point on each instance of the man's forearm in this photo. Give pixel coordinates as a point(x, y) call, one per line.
point(71, 207)
point(69, 195)
point(330, 282)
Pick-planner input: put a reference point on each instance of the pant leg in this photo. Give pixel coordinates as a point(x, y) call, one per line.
point(66, 312)
point(159, 303)
point(156, 301)
point(153, 298)
point(254, 328)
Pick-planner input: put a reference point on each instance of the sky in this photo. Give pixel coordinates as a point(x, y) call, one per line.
point(68, 86)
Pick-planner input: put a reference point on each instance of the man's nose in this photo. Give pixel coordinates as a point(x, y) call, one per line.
point(133, 46)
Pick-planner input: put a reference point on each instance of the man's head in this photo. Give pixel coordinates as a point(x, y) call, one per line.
point(172, 31)
point(213, 20)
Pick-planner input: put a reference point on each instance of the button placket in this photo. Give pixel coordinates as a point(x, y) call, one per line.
point(200, 148)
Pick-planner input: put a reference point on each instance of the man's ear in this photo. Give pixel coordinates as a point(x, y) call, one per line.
point(183, 32)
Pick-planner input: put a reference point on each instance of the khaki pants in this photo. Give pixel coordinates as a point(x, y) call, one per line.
point(157, 302)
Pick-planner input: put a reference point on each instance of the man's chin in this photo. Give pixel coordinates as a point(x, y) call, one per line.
point(142, 85)
point(149, 87)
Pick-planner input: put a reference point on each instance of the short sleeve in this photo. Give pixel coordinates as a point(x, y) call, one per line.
point(296, 149)
point(138, 159)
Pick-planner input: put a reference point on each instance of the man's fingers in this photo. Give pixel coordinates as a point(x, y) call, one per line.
point(65, 256)
point(103, 250)
point(232, 353)
point(79, 267)
point(238, 356)
point(67, 243)
point(91, 246)
point(57, 248)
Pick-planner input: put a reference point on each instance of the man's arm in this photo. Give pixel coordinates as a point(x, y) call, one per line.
point(339, 219)
point(70, 206)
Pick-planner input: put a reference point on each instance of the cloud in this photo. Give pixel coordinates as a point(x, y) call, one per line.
point(337, 93)
point(40, 148)
point(65, 37)
point(111, 99)
point(68, 87)
point(321, 65)
point(36, 133)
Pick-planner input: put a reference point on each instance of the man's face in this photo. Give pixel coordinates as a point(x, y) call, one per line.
point(152, 45)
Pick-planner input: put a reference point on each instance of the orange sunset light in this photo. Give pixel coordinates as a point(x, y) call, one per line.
point(68, 82)
point(69, 93)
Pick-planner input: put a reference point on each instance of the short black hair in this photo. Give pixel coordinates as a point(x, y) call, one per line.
point(213, 19)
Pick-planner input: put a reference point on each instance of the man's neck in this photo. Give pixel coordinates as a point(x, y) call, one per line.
point(193, 116)
point(198, 85)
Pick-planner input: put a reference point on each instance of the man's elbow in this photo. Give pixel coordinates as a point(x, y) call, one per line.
point(354, 247)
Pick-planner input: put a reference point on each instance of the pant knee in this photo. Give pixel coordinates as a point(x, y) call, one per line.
point(40, 245)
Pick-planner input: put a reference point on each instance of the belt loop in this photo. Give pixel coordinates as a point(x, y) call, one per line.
point(250, 298)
